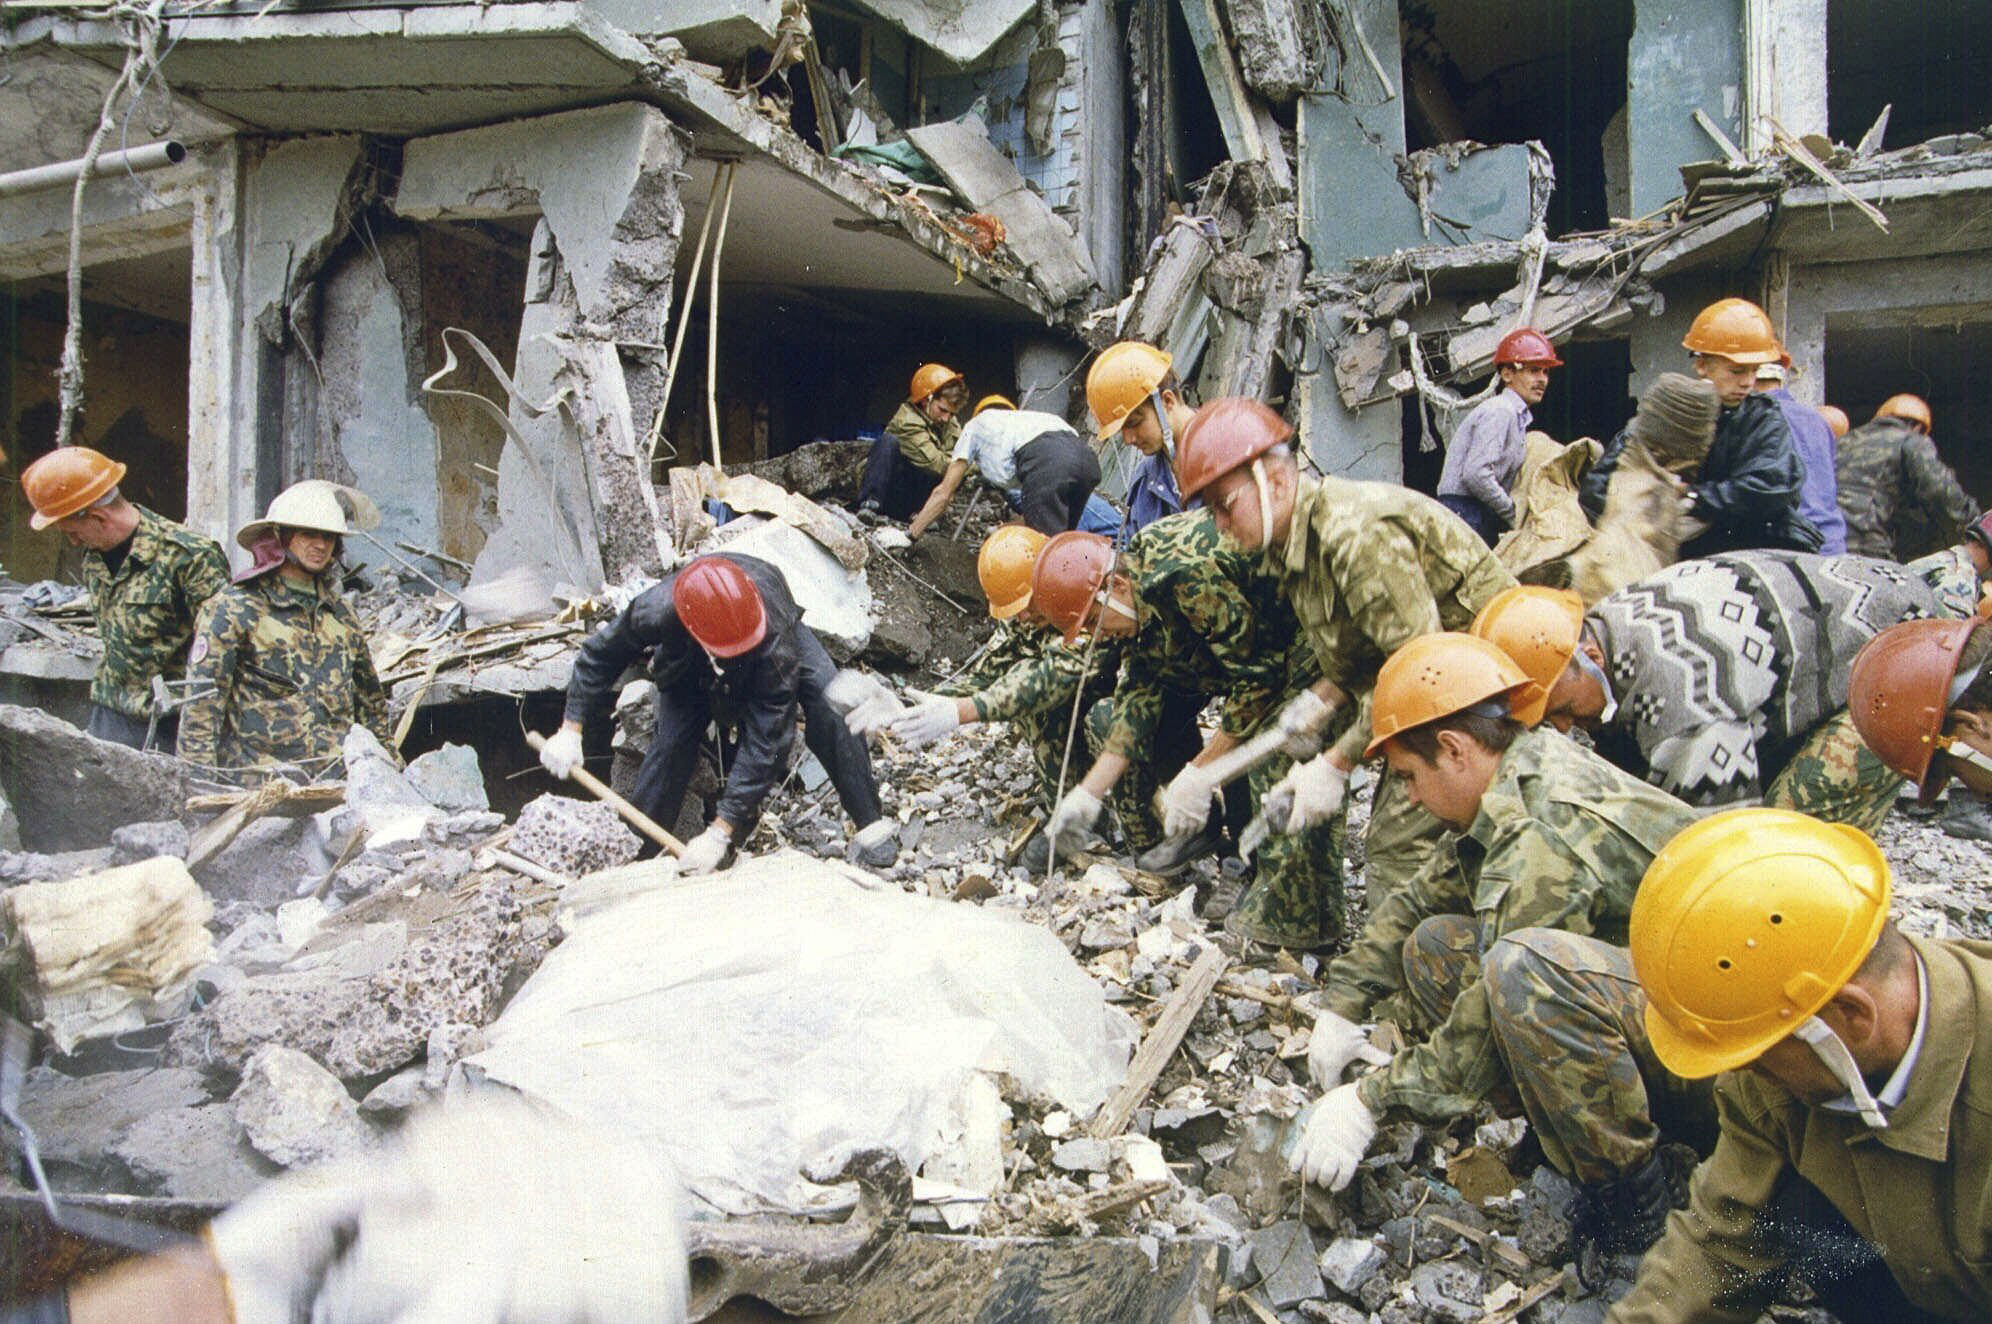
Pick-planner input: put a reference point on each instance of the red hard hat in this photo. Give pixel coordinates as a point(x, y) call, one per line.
point(1068, 576)
point(1526, 345)
point(1901, 690)
point(1225, 434)
point(720, 606)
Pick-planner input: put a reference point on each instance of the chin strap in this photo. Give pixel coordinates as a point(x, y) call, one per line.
point(1265, 513)
point(1168, 433)
point(1833, 1054)
point(1597, 673)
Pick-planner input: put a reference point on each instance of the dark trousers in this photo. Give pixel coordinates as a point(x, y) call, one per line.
point(1844, 1269)
point(894, 485)
point(1056, 473)
point(124, 729)
point(1479, 517)
point(686, 709)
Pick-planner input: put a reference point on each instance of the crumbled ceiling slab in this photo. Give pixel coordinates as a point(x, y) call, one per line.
point(961, 30)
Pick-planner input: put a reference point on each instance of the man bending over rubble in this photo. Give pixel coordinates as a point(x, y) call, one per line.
point(1546, 836)
point(1724, 680)
point(1366, 567)
point(726, 644)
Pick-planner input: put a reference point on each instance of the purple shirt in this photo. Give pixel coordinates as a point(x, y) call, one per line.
point(1486, 453)
point(1819, 494)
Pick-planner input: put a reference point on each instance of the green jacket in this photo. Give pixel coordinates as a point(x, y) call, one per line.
point(1212, 623)
point(927, 445)
point(1029, 670)
point(145, 612)
point(1561, 841)
point(280, 674)
point(1368, 566)
point(1920, 1190)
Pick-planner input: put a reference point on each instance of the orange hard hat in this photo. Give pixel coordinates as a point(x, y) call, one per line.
point(1004, 566)
point(66, 480)
point(1225, 434)
point(1539, 628)
point(931, 377)
point(1901, 688)
point(1437, 675)
point(1910, 408)
point(1071, 570)
point(1836, 419)
point(1121, 380)
point(1528, 346)
point(992, 402)
point(1736, 329)
point(719, 606)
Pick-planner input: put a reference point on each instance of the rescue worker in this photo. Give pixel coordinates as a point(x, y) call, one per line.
point(726, 645)
point(910, 458)
point(1957, 575)
point(1897, 492)
point(1724, 681)
point(1921, 696)
point(1033, 454)
point(1486, 452)
point(147, 578)
point(1746, 492)
point(1543, 835)
point(279, 670)
point(1837, 420)
point(1028, 677)
point(1133, 393)
point(1366, 567)
point(1852, 1065)
point(1201, 618)
point(1817, 446)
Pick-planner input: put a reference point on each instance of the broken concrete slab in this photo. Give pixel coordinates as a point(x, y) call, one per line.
point(450, 779)
point(141, 841)
point(989, 182)
point(836, 602)
point(388, 806)
point(79, 1120)
point(70, 790)
point(295, 1112)
point(572, 837)
point(196, 1153)
point(1270, 38)
point(265, 864)
point(1285, 1257)
point(962, 32)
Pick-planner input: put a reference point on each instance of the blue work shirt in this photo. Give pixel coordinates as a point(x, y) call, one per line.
point(1818, 452)
point(1151, 493)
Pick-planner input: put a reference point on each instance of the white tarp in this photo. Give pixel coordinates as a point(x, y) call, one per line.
point(757, 1022)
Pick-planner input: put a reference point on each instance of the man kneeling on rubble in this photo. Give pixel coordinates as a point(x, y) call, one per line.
point(726, 642)
point(1548, 841)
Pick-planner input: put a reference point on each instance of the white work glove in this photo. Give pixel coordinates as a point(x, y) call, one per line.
point(932, 717)
point(1335, 1043)
point(864, 700)
point(1073, 818)
point(1310, 794)
point(562, 754)
point(893, 540)
point(704, 852)
point(1338, 1134)
point(1184, 803)
point(1303, 725)
point(488, 1213)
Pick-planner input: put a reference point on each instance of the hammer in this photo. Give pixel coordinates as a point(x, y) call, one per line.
point(636, 818)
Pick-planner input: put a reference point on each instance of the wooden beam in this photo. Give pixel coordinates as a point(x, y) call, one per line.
point(1236, 115)
point(1161, 1043)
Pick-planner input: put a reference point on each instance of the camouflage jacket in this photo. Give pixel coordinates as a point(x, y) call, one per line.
point(279, 673)
point(1212, 623)
point(927, 445)
point(1953, 581)
point(145, 612)
point(1896, 492)
point(1030, 671)
point(1368, 566)
point(1561, 841)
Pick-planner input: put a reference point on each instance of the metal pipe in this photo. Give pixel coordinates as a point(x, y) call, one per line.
point(149, 157)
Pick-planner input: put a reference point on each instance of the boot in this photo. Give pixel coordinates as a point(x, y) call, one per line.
point(1968, 815)
point(1036, 854)
point(1178, 853)
point(1622, 1217)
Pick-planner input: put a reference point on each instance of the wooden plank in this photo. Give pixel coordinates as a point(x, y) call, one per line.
point(1513, 1310)
point(1235, 114)
point(988, 180)
point(1161, 1043)
point(296, 803)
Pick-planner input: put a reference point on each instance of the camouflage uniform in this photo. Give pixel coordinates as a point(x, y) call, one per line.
point(1026, 678)
point(279, 674)
point(1368, 567)
point(1953, 581)
point(1213, 623)
point(1561, 840)
point(925, 444)
point(1896, 492)
point(145, 611)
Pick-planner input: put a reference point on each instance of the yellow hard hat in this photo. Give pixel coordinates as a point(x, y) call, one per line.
point(1120, 380)
point(1539, 628)
point(1736, 329)
point(992, 402)
point(1747, 923)
point(1434, 676)
point(929, 378)
point(1004, 566)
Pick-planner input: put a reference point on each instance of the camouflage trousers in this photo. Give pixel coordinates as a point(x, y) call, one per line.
point(1402, 838)
point(1296, 898)
point(1836, 777)
point(1133, 796)
point(1568, 1018)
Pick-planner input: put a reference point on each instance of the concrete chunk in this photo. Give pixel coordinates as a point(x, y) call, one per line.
point(294, 1111)
point(70, 790)
point(572, 837)
point(1349, 1262)
point(1284, 1255)
point(192, 1153)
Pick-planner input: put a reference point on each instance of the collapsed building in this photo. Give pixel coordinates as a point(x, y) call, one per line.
point(546, 277)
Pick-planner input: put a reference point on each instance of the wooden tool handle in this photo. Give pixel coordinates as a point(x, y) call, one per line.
point(635, 817)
